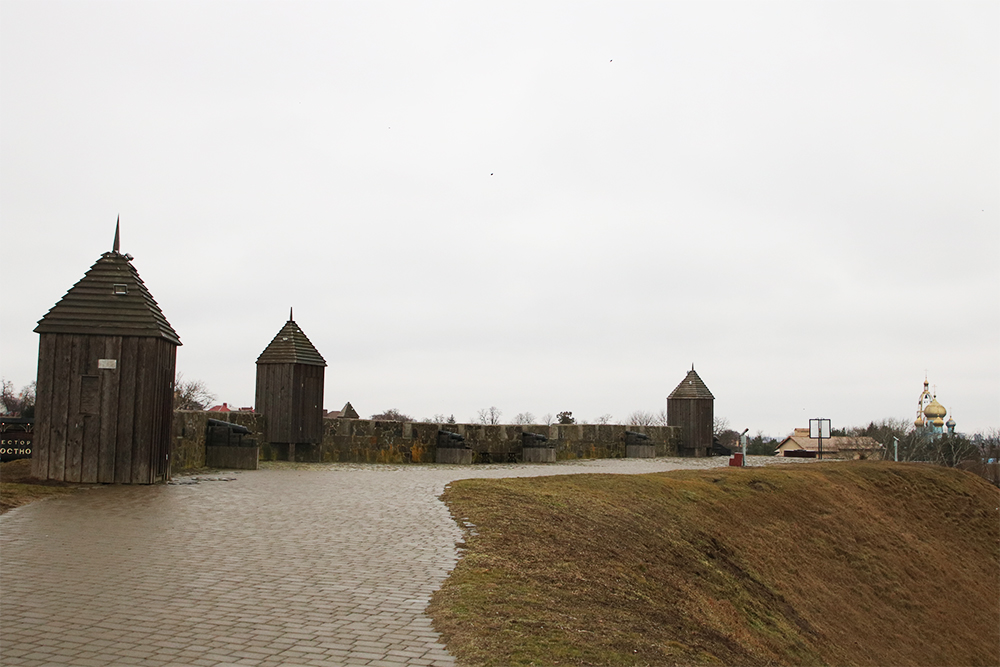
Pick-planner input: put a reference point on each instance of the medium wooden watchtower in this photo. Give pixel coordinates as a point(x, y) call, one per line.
point(290, 374)
point(692, 407)
point(105, 387)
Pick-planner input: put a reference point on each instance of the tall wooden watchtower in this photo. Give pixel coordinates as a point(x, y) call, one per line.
point(105, 386)
point(692, 407)
point(290, 375)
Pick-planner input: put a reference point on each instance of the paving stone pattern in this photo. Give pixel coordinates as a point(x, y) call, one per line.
point(292, 565)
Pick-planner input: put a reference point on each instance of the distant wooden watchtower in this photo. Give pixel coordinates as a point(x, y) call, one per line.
point(105, 387)
point(290, 374)
point(692, 407)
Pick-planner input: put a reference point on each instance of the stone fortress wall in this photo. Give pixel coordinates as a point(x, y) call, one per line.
point(370, 441)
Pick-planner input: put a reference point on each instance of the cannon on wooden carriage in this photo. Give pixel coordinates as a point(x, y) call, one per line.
point(227, 446)
point(452, 448)
point(639, 446)
point(536, 448)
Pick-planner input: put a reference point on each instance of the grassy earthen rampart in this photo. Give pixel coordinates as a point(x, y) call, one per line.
point(839, 564)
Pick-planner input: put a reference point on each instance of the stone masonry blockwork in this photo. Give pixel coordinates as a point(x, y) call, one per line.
point(371, 441)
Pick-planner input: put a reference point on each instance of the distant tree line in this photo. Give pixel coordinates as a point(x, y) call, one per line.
point(758, 445)
point(392, 415)
point(899, 439)
point(494, 415)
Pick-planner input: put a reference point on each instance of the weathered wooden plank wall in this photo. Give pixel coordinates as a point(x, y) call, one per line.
point(696, 418)
point(291, 397)
point(109, 417)
point(104, 424)
point(273, 385)
point(43, 396)
point(143, 408)
point(126, 412)
point(164, 409)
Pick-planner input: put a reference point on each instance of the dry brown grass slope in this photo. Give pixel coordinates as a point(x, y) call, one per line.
point(18, 487)
point(821, 564)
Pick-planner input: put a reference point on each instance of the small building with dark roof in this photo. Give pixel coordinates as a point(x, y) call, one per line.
point(290, 377)
point(105, 386)
point(691, 406)
point(346, 412)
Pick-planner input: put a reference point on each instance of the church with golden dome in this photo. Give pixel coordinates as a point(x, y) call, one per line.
point(931, 414)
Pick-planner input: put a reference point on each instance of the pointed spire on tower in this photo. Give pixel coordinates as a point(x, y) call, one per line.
point(291, 346)
point(117, 245)
point(290, 318)
point(691, 386)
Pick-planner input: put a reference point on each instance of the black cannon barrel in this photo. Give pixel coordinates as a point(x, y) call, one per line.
point(449, 439)
point(530, 439)
point(636, 436)
point(235, 428)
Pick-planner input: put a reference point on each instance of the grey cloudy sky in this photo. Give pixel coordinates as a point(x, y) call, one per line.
point(539, 206)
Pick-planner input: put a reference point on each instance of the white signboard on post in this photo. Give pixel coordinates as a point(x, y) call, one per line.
point(819, 428)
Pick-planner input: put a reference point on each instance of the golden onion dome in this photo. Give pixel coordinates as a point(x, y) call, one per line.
point(919, 423)
point(938, 422)
point(935, 410)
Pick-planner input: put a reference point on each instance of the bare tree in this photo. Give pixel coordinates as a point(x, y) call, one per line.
point(436, 419)
point(719, 424)
point(660, 418)
point(641, 418)
point(547, 419)
point(524, 418)
point(899, 438)
point(896, 436)
point(17, 403)
point(392, 415)
point(191, 395)
point(490, 415)
point(604, 419)
point(952, 449)
point(988, 444)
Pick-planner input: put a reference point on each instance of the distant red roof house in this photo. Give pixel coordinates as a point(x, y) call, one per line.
point(220, 408)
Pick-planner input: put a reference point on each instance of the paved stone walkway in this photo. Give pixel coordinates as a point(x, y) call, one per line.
point(293, 565)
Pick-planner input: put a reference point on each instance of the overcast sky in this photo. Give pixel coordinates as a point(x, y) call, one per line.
point(538, 206)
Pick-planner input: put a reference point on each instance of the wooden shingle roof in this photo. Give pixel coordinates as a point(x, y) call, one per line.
point(110, 300)
point(291, 346)
point(691, 387)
